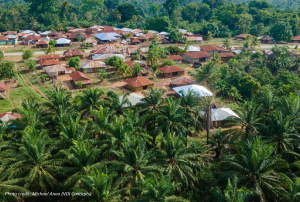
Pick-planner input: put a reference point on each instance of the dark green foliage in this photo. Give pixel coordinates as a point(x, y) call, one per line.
point(127, 10)
point(75, 62)
point(7, 70)
point(175, 35)
point(27, 54)
point(282, 31)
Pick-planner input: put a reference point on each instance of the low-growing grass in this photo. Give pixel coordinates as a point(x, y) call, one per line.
point(6, 106)
point(19, 94)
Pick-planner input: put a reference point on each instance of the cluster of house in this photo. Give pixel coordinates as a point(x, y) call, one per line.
point(91, 36)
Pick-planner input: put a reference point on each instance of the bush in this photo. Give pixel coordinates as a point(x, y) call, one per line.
point(27, 54)
point(31, 64)
point(52, 43)
point(75, 62)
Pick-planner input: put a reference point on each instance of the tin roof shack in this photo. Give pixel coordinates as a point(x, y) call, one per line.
point(198, 56)
point(42, 44)
point(93, 66)
point(55, 70)
point(73, 53)
point(225, 57)
point(176, 58)
point(171, 71)
point(80, 76)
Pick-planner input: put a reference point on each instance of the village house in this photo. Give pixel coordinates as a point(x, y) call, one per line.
point(139, 84)
point(194, 39)
point(42, 44)
point(220, 114)
point(225, 57)
point(2, 90)
point(191, 49)
point(176, 58)
point(102, 57)
point(241, 36)
point(9, 116)
point(45, 33)
point(132, 63)
point(60, 35)
point(93, 66)
point(31, 39)
point(200, 91)
point(49, 62)
point(107, 37)
point(171, 71)
point(3, 40)
point(106, 50)
point(53, 34)
point(211, 49)
point(199, 56)
point(266, 39)
point(296, 39)
point(73, 53)
point(55, 70)
point(131, 50)
point(62, 42)
point(48, 57)
point(92, 42)
point(80, 76)
point(10, 33)
point(135, 41)
point(74, 36)
point(182, 81)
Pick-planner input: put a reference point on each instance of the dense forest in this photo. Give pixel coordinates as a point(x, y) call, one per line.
point(212, 16)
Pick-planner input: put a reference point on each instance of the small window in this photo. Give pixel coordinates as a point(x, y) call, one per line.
point(145, 87)
point(175, 74)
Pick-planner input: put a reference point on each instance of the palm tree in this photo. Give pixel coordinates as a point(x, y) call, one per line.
point(294, 189)
point(82, 158)
point(90, 100)
point(102, 74)
point(249, 120)
point(116, 104)
point(115, 136)
point(33, 160)
point(255, 42)
point(124, 71)
point(12, 186)
point(73, 130)
point(154, 70)
point(154, 55)
point(31, 113)
point(178, 160)
point(171, 119)
point(207, 74)
point(137, 69)
point(139, 52)
point(281, 132)
point(155, 189)
point(133, 163)
point(219, 141)
point(50, 49)
point(255, 166)
point(207, 102)
point(233, 194)
point(216, 58)
point(59, 106)
point(150, 105)
point(226, 43)
point(99, 183)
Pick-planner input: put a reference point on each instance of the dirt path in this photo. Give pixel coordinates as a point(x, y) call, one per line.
point(9, 86)
point(30, 85)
